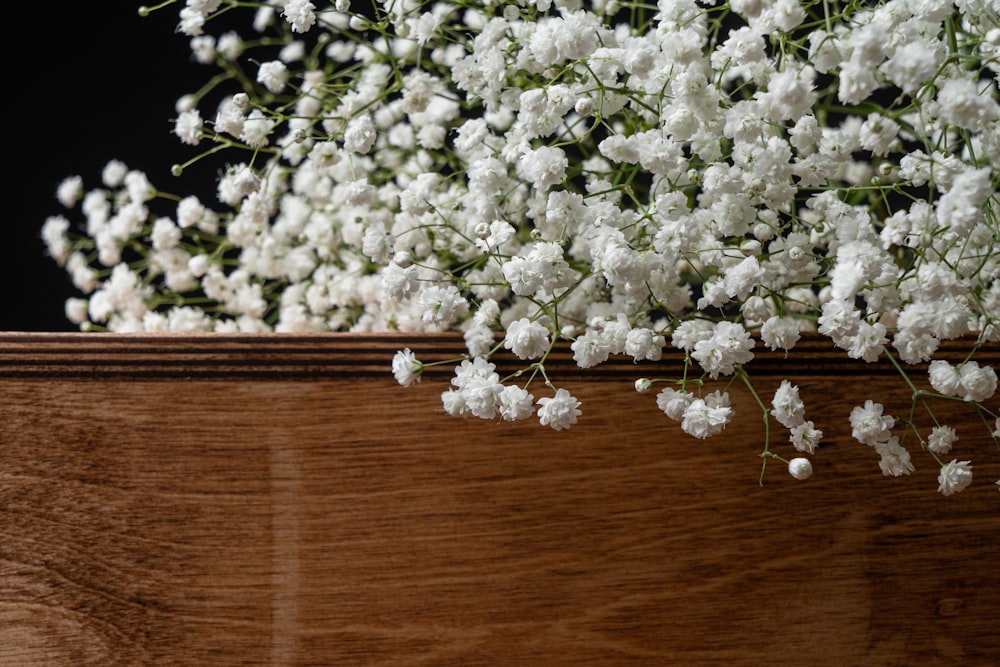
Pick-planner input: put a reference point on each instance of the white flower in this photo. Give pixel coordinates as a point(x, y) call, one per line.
point(743, 277)
point(976, 383)
point(895, 459)
point(515, 403)
point(912, 64)
point(590, 348)
point(544, 167)
point(560, 411)
point(868, 425)
point(879, 134)
point(255, 129)
point(642, 343)
point(867, 342)
point(406, 368)
point(454, 403)
point(707, 416)
point(800, 468)
point(967, 104)
point(839, 319)
point(57, 242)
point(526, 339)
point(941, 439)
point(76, 310)
point(960, 208)
point(729, 345)
point(478, 367)
point(674, 402)
point(479, 340)
point(780, 332)
point(188, 127)
point(482, 395)
point(954, 477)
point(805, 437)
point(523, 275)
point(165, 235)
point(689, 333)
point(192, 21)
point(69, 191)
point(360, 135)
point(273, 75)
point(300, 14)
point(944, 378)
point(787, 407)
point(442, 305)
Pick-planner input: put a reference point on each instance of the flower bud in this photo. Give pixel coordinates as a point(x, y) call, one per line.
point(584, 106)
point(642, 385)
point(185, 103)
point(763, 231)
point(800, 468)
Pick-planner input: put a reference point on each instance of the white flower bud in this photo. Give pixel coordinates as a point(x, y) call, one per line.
point(584, 106)
point(800, 468)
point(763, 231)
point(185, 103)
point(198, 265)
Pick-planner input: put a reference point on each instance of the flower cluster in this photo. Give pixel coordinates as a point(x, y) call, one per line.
point(690, 177)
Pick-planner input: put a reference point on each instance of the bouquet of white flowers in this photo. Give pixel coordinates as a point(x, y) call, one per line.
point(690, 177)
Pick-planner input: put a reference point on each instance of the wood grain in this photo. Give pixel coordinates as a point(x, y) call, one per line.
point(280, 500)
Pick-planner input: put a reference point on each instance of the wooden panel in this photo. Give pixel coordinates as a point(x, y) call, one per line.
point(279, 500)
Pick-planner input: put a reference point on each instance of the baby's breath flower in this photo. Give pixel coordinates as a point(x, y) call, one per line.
point(300, 14)
point(559, 411)
point(515, 403)
point(70, 191)
point(729, 345)
point(787, 407)
point(954, 477)
point(895, 459)
point(868, 425)
point(526, 339)
point(273, 75)
point(941, 439)
point(704, 417)
point(188, 127)
point(562, 173)
point(805, 437)
point(406, 367)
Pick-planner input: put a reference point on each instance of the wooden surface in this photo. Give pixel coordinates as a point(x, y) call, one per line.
point(278, 500)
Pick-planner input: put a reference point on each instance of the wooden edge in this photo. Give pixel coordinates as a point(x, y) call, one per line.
point(31, 354)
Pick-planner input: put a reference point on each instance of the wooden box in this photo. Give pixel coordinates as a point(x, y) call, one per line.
point(280, 500)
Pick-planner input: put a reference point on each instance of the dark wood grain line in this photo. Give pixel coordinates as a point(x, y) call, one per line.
point(362, 355)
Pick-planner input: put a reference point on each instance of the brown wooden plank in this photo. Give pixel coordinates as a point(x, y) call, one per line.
point(290, 517)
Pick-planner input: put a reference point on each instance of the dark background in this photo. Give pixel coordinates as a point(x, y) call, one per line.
point(97, 83)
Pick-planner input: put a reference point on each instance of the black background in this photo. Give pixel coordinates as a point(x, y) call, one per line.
point(99, 82)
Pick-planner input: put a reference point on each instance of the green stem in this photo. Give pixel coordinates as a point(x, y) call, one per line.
point(766, 453)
